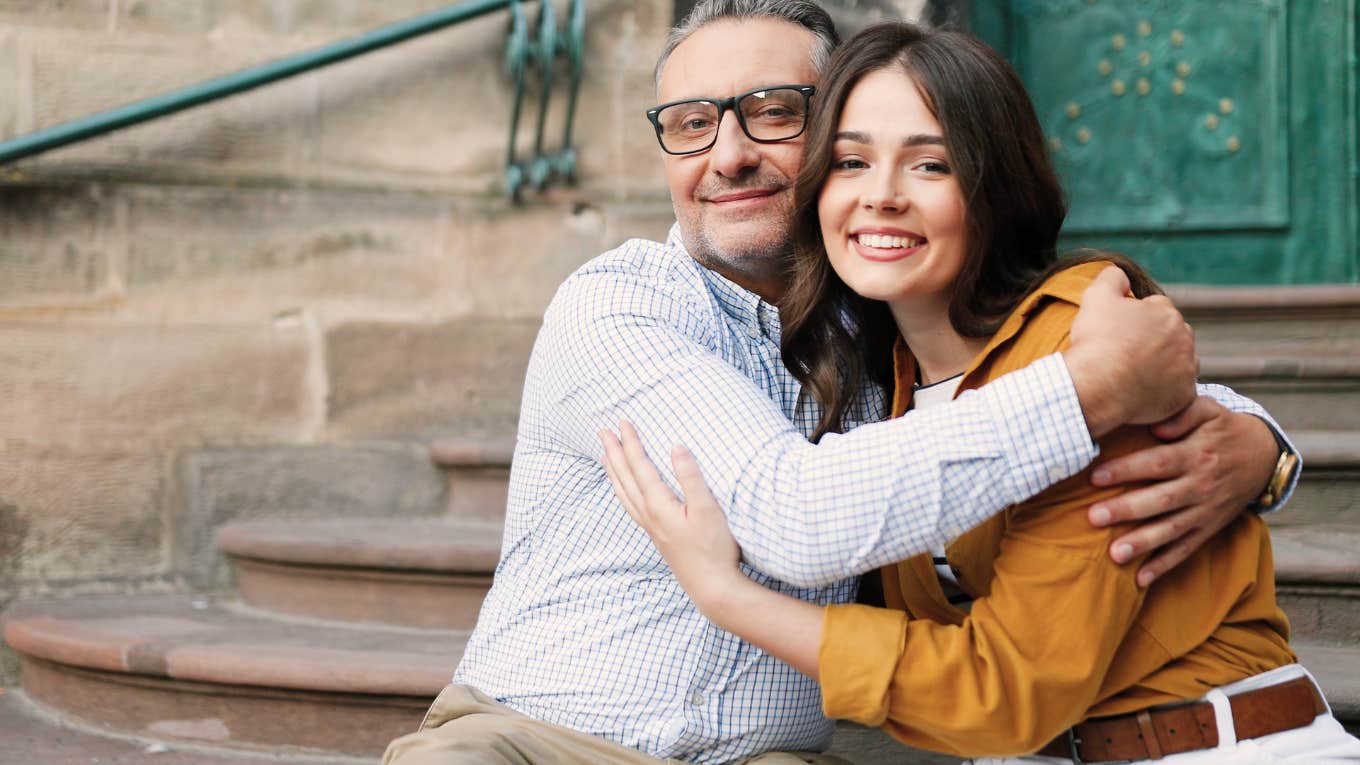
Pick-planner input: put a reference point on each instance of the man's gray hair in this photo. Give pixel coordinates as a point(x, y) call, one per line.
point(804, 13)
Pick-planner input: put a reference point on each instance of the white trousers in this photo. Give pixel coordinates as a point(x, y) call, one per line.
point(1324, 742)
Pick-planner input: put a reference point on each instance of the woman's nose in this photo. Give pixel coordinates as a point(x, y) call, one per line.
point(885, 194)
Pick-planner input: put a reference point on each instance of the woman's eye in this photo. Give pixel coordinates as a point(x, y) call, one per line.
point(934, 168)
point(849, 163)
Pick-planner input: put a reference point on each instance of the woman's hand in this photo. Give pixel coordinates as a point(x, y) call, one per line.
point(691, 535)
point(694, 539)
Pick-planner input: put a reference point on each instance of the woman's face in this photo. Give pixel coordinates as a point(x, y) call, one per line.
point(891, 211)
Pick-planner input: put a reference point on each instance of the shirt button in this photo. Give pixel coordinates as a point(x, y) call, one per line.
point(1056, 474)
point(697, 699)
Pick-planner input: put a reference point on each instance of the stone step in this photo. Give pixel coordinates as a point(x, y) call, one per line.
point(1301, 390)
point(414, 573)
point(1337, 669)
point(1317, 576)
point(169, 676)
point(1246, 321)
point(34, 734)
point(477, 471)
point(1329, 488)
point(1295, 349)
point(184, 671)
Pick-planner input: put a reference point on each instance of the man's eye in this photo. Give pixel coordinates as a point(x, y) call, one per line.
point(690, 123)
point(775, 113)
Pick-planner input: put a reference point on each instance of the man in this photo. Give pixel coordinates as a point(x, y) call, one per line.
point(586, 649)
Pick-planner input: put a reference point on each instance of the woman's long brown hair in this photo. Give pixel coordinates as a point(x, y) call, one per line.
point(837, 342)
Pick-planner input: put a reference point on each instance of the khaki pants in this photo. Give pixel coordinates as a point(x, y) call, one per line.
point(464, 725)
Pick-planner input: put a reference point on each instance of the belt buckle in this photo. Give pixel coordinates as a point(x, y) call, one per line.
point(1072, 743)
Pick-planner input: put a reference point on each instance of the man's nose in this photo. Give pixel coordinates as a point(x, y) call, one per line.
point(734, 153)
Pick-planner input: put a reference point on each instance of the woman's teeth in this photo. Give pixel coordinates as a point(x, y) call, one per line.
point(884, 242)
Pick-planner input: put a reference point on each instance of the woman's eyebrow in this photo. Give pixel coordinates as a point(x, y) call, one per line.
point(856, 136)
point(915, 139)
point(923, 139)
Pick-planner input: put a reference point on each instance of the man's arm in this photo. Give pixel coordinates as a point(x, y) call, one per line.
point(1220, 454)
point(1218, 460)
point(812, 514)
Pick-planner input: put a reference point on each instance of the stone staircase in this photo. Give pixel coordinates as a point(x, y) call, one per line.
point(340, 634)
point(340, 631)
point(1297, 351)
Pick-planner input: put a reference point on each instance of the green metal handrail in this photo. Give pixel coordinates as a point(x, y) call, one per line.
point(541, 168)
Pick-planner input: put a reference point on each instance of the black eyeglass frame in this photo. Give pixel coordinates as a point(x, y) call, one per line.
point(730, 104)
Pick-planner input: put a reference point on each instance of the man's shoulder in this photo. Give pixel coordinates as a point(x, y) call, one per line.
point(631, 305)
point(640, 276)
point(643, 258)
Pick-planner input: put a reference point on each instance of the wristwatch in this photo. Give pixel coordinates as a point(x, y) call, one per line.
point(1285, 468)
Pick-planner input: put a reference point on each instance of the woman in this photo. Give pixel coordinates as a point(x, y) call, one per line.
point(928, 214)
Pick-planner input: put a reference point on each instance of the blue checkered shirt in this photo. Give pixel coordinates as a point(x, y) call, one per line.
point(586, 628)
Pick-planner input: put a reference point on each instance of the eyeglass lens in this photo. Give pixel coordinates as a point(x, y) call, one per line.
point(767, 115)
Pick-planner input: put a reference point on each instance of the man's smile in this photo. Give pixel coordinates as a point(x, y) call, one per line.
point(746, 199)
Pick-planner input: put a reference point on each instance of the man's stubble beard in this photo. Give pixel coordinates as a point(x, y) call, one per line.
point(755, 263)
point(748, 263)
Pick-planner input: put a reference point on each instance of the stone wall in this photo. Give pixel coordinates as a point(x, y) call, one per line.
point(316, 276)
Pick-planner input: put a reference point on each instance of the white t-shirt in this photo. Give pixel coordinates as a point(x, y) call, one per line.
point(924, 397)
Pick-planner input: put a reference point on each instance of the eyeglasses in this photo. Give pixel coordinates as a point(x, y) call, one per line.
point(766, 115)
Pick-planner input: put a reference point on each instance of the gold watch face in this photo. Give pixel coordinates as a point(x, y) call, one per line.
point(1284, 473)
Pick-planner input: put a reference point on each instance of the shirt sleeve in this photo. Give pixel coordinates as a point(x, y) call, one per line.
point(622, 347)
point(1236, 402)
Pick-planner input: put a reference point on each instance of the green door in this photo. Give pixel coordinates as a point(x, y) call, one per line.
point(1213, 140)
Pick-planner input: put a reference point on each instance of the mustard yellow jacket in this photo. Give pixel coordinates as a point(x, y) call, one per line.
point(1058, 632)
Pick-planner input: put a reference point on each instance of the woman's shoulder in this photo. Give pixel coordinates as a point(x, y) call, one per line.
point(1039, 325)
point(1051, 305)
point(1067, 284)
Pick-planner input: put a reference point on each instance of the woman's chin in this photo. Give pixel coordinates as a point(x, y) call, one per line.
point(875, 290)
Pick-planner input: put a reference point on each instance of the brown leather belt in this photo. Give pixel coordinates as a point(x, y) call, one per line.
point(1155, 733)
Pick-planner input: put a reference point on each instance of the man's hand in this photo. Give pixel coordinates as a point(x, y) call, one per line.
point(1132, 361)
point(1215, 464)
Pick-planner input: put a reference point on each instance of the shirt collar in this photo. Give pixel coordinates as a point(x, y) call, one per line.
point(740, 305)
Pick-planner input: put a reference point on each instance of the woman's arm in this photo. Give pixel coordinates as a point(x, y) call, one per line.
point(694, 539)
point(1027, 663)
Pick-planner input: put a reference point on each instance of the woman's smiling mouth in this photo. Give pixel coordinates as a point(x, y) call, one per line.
point(885, 246)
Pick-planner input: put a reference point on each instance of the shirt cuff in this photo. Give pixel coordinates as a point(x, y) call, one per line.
point(1236, 402)
point(857, 659)
point(1041, 426)
point(1287, 446)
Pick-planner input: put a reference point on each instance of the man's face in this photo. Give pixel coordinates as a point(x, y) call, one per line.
point(734, 202)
